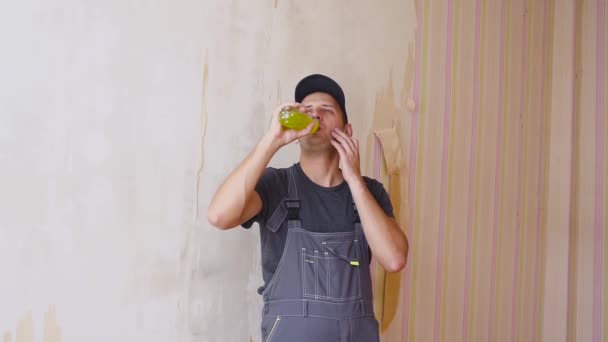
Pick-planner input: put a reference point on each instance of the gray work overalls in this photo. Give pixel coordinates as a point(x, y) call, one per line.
point(321, 290)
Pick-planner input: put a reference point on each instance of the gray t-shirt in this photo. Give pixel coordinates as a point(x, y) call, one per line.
point(322, 210)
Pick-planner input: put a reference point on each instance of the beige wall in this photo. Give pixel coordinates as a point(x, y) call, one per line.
point(102, 107)
point(485, 120)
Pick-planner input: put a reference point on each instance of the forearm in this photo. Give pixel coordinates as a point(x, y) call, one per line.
point(230, 201)
point(386, 239)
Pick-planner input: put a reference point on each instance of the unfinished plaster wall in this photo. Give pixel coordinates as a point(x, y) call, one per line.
point(118, 119)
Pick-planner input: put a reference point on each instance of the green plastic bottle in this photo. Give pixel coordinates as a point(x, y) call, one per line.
point(291, 118)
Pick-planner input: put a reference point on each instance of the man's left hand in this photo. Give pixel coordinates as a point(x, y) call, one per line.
point(348, 149)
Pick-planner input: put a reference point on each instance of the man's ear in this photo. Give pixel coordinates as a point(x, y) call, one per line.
point(348, 128)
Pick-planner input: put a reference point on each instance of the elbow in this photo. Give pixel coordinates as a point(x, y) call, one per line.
point(399, 261)
point(396, 264)
point(217, 220)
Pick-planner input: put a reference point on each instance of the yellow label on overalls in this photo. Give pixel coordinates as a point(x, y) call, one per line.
point(354, 263)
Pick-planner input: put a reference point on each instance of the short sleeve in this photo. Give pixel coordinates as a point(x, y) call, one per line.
point(381, 196)
point(271, 188)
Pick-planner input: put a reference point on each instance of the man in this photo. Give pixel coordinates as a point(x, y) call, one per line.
point(319, 219)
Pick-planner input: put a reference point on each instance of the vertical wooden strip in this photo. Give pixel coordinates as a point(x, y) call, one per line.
point(573, 231)
point(412, 162)
point(419, 167)
point(533, 130)
point(548, 81)
point(483, 234)
point(599, 171)
point(540, 178)
point(455, 206)
point(557, 220)
point(467, 320)
point(441, 241)
point(497, 180)
point(521, 167)
point(430, 203)
point(605, 247)
point(508, 177)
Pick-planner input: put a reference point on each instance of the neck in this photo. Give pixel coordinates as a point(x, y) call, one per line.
point(322, 169)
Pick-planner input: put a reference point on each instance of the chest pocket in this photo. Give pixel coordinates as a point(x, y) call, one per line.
point(332, 270)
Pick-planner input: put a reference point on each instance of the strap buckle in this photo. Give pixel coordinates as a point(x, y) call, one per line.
point(293, 209)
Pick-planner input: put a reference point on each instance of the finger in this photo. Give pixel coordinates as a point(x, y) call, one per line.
point(339, 148)
point(347, 138)
point(354, 145)
point(344, 140)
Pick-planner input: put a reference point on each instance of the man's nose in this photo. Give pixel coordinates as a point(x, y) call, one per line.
point(314, 114)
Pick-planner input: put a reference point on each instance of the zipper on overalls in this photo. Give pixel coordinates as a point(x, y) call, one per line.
point(276, 322)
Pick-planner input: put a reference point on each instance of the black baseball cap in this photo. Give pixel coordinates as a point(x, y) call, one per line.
point(324, 84)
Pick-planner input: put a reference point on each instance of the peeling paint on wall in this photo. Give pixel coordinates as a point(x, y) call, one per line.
point(391, 147)
point(278, 91)
point(52, 331)
point(386, 132)
point(203, 128)
point(25, 328)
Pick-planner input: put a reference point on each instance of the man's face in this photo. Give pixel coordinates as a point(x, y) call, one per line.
point(324, 108)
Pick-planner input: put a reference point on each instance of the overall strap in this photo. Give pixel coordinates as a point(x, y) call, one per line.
point(288, 209)
point(292, 189)
point(292, 203)
point(356, 218)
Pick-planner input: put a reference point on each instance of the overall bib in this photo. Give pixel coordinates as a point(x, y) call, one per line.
point(321, 290)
